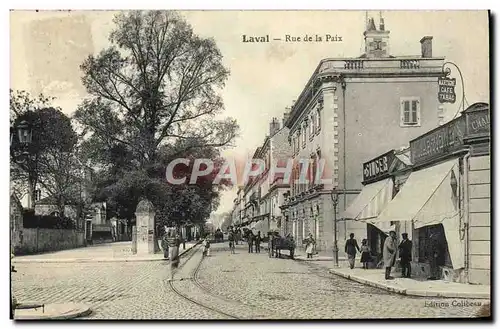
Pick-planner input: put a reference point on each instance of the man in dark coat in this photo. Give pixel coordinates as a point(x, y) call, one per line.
point(250, 241)
point(389, 254)
point(405, 254)
point(257, 242)
point(350, 248)
point(436, 254)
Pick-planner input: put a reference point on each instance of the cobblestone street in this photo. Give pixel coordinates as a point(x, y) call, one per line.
point(242, 285)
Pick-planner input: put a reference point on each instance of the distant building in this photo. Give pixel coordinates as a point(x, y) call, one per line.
point(263, 195)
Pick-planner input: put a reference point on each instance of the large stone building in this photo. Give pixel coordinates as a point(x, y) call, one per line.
point(351, 110)
point(238, 205)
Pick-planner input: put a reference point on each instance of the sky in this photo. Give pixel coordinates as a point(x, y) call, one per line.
point(47, 48)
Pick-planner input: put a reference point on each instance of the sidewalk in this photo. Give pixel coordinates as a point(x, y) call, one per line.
point(53, 312)
point(413, 287)
point(108, 252)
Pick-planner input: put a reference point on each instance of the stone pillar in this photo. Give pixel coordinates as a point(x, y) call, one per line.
point(145, 219)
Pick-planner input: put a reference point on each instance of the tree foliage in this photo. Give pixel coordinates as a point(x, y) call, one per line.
point(50, 159)
point(154, 96)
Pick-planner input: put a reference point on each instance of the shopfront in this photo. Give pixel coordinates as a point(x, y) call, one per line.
point(477, 193)
point(431, 202)
point(379, 177)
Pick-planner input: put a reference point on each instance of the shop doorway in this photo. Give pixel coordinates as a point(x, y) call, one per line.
point(425, 236)
point(376, 239)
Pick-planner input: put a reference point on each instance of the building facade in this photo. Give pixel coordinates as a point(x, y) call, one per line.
point(263, 195)
point(351, 110)
point(383, 177)
point(444, 204)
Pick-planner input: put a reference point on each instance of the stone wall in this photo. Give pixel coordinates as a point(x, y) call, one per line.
point(16, 219)
point(47, 209)
point(37, 240)
point(479, 220)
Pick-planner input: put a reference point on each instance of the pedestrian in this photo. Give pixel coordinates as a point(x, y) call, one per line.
point(206, 247)
point(405, 254)
point(183, 243)
point(389, 254)
point(164, 244)
point(258, 238)
point(250, 241)
point(174, 243)
point(230, 237)
point(310, 246)
point(436, 254)
point(351, 245)
point(365, 253)
point(291, 245)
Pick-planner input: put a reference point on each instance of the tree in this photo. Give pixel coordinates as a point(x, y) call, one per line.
point(154, 95)
point(47, 158)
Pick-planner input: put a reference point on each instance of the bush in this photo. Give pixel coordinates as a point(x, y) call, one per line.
point(30, 220)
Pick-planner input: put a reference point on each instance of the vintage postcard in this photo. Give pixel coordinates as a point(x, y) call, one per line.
point(250, 165)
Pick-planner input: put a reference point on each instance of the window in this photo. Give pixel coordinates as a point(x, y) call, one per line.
point(304, 135)
point(299, 138)
point(318, 120)
point(38, 195)
point(410, 111)
point(311, 126)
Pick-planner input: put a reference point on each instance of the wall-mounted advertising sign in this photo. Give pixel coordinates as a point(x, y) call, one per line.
point(446, 92)
point(478, 122)
point(378, 167)
point(438, 142)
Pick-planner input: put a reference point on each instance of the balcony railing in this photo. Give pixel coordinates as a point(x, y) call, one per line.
point(410, 64)
point(353, 65)
point(347, 66)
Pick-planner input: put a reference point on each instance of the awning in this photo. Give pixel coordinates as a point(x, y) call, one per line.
point(370, 202)
point(427, 199)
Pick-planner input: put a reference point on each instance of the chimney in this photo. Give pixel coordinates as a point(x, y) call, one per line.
point(382, 25)
point(426, 44)
point(274, 127)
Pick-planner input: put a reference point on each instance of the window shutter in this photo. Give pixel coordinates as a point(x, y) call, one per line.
point(414, 105)
point(407, 113)
point(402, 113)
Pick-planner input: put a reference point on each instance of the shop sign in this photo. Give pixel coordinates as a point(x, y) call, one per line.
point(478, 123)
point(446, 92)
point(438, 142)
point(378, 167)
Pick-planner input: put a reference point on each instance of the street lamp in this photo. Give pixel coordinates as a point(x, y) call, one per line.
point(24, 132)
point(24, 138)
point(335, 200)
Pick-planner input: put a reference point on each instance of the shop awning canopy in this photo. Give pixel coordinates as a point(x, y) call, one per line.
point(370, 201)
point(416, 193)
point(427, 198)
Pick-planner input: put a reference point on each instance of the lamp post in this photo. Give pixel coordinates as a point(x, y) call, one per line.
point(335, 200)
point(21, 136)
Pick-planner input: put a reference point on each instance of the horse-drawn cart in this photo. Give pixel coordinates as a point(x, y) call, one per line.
point(278, 243)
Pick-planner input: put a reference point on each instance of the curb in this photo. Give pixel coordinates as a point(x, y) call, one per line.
point(411, 292)
point(130, 259)
point(84, 311)
point(312, 260)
